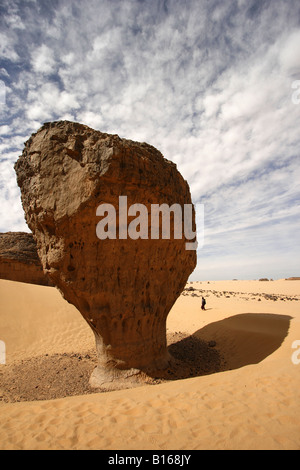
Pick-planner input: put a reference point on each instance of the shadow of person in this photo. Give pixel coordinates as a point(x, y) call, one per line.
point(247, 338)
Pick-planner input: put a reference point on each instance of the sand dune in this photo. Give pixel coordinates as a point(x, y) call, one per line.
point(253, 402)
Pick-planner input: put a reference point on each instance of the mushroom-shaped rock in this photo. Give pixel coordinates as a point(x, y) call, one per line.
point(88, 199)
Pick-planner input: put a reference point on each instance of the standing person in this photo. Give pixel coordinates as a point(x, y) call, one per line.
point(203, 303)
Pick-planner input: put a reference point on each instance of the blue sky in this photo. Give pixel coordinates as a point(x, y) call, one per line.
point(207, 83)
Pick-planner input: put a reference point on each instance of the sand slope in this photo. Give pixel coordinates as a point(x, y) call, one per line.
point(254, 403)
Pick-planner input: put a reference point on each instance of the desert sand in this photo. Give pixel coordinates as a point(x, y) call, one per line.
point(241, 387)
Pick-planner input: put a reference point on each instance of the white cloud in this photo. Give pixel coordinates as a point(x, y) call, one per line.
point(2, 93)
point(4, 130)
point(91, 119)
point(41, 102)
point(4, 73)
point(290, 53)
point(7, 50)
point(11, 208)
point(43, 60)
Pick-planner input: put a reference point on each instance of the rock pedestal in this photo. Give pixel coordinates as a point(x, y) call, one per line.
point(123, 287)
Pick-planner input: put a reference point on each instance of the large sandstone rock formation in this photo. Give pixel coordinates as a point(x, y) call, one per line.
point(19, 260)
point(124, 288)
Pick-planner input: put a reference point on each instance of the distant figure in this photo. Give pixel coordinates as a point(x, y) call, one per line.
point(203, 303)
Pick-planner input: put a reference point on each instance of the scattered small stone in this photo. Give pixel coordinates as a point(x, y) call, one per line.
point(67, 374)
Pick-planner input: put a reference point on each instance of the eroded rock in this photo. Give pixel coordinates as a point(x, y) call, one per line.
point(124, 288)
point(19, 260)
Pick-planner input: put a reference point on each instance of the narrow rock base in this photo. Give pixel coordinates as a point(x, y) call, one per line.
point(112, 379)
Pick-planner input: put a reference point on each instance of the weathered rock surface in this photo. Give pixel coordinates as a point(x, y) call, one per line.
point(19, 260)
point(124, 288)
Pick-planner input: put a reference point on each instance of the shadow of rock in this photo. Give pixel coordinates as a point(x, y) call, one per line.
point(227, 344)
point(191, 357)
point(246, 338)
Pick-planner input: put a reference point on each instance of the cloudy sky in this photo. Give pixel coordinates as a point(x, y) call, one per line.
point(214, 85)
